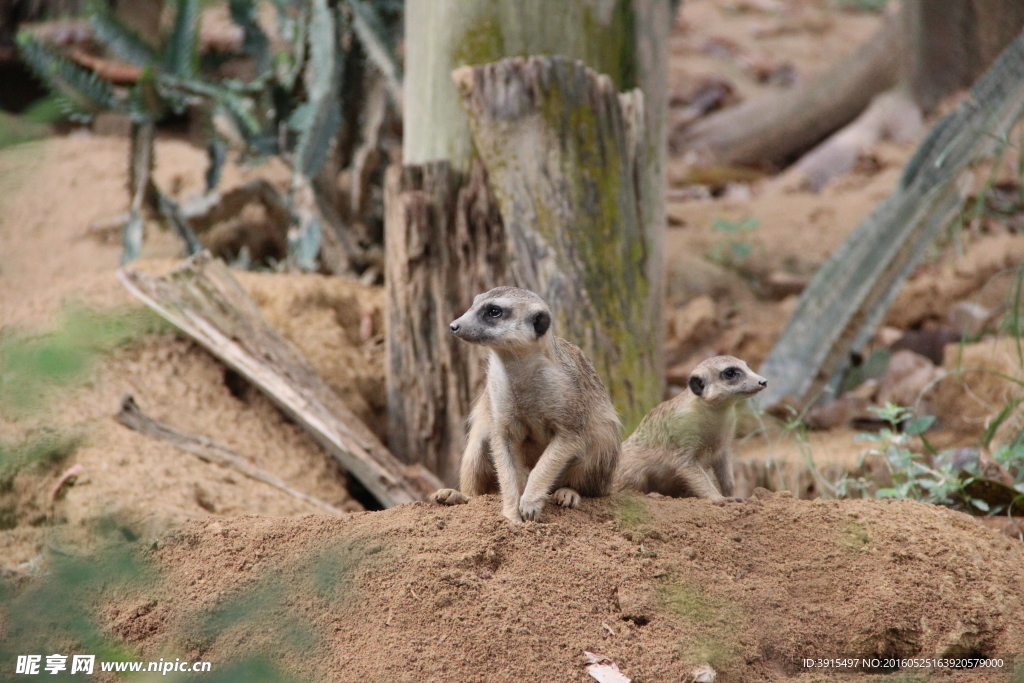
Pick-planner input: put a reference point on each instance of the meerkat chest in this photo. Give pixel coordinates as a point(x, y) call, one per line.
point(526, 399)
point(700, 437)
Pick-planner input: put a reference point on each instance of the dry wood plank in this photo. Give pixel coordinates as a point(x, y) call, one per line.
point(202, 299)
point(131, 416)
point(844, 302)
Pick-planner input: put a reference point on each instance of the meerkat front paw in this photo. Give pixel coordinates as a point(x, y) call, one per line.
point(566, 497)
point(448, 497)
point(530, 508)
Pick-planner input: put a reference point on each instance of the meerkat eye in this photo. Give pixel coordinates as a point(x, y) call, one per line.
point(494, 312)
point(730, 373)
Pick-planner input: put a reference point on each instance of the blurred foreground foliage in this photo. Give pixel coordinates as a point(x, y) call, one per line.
point(64, 602)
point(30, 365)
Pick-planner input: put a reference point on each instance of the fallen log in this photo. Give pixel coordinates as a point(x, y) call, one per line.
point(203, 300)
point(132, 417)
point(844, 302)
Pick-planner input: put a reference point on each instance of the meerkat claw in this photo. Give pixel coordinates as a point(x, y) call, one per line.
point(566, 497)
point(448, 497)
point(530, 510)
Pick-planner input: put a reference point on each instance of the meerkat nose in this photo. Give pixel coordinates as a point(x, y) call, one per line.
point(763, 383)
point(454, 327)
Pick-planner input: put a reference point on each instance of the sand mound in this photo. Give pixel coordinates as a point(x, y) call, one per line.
point(423, 593)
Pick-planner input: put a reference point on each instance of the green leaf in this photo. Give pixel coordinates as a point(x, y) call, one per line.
point(887, 493)
point(304, 244)
point(255, 42)
point(118, 37)
point(293, 25)
point(918, 425)
point(216, 152)
point(322, 82)
point(83, 91)
point(181, 51)
point(131, 238)
point(980, 504)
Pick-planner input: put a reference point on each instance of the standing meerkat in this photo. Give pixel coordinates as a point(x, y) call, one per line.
point(544, 424)
point(683, 447)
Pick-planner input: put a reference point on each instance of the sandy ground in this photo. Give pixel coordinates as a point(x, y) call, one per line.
point(53, 258)
point(424, 593)
point(421, 593)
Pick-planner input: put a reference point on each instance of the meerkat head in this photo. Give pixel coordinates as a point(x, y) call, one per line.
point(504, 318)
point(725, 380)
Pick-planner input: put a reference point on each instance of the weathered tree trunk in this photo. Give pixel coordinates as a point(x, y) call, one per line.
point(625, 39)
point(928, 50)
point(567, 157)
point(842, 305)
point(443, 238)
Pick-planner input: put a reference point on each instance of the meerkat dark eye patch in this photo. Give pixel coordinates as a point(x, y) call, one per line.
point(491, 311)
point(541, 322)
point(730, 373)
point(696, 385)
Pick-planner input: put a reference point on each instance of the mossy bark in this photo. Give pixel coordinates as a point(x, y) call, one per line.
point(624, 39)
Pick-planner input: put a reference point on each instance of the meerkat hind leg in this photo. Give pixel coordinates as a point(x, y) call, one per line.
point(566, 497)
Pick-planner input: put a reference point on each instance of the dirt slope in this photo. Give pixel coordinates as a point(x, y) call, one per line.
point(423, 593)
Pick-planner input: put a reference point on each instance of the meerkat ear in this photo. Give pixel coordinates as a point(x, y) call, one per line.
point(541, 322)
point(696, 385)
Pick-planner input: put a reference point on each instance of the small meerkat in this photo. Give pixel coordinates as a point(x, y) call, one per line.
point(683, 447)
point(544, 424)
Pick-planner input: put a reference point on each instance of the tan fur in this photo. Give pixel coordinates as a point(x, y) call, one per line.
point(683, 447)
point(544, 425)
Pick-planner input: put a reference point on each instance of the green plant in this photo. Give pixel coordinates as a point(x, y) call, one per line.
point(294, 107)
point(912, 475)
point(862, 5)
point(29, 365)
point(736, 245)
point(44, 450)
point(930, 477)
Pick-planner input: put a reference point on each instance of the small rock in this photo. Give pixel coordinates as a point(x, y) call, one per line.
point(909, 376)
point(694, 322)
point(779, 285)
point(970, 319)
point(702, 674)
point(930, 343)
